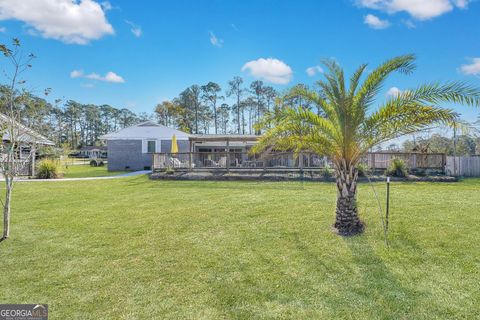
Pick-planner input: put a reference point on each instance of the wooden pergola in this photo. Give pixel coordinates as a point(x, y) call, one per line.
point(226, 138)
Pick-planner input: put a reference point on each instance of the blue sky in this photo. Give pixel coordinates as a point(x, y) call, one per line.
point(137, 53)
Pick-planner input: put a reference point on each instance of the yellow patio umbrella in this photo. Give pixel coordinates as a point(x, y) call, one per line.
point(174, 145)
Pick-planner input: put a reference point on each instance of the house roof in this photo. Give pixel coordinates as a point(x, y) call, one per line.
point(225, 137)
point(23, 133)
point(146, 130)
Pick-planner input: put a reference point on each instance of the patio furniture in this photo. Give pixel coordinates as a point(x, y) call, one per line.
point(222, 162)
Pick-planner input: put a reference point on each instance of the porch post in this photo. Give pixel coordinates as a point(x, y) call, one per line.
point(300, 164)
point(444, 163)
point(32, 163)
point(190, 156)
point(228, 155)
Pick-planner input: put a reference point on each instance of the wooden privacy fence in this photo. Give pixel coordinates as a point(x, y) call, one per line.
point(414, 160)
point(286, 161)
point(463, 166)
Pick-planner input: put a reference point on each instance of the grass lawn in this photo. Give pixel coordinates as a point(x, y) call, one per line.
point(138, 249)
point(85, 171)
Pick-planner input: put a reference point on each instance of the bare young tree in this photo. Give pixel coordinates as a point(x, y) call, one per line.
point(14, 134)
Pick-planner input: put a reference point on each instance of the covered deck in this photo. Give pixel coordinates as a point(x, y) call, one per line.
point(231, 152)
point(231, 159)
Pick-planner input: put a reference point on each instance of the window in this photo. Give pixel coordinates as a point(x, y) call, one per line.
point(151, 146)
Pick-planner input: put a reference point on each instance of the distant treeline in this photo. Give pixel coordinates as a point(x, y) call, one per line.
point(197, 109)
point(203, 109)
point(464, 145)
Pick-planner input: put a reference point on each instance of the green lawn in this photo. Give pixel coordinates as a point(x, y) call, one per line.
point(85, 171)
point(137, 249)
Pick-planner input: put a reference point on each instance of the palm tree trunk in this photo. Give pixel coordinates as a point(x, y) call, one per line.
point(347, 222)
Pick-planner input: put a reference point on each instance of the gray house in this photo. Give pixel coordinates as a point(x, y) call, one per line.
point(132, 148)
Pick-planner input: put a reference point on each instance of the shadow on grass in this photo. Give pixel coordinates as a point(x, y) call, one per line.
point(381, 287)
point(231, 185)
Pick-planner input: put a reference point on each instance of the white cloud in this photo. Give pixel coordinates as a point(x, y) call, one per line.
point(113, 77)
point(375, 22)
point(472, 68)
point(215, 41)
point(462, 4)
point(393, 92)
point(106, 5)
point(311, 71)
point(76, 74)
point(109, 76)
point(272, 70)
point(135, 29)
point(69, 21)
point(3, 29)
point(418, 9)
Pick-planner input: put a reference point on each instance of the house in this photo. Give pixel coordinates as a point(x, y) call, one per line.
point(93, 152)
point(132, 148)
point(26, 140)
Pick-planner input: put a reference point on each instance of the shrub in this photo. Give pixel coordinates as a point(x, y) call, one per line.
point(48, 169)
point(397, 168)
point(326, 173)
point(363, 170)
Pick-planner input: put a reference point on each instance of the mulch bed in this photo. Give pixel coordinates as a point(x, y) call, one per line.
point(275, 176)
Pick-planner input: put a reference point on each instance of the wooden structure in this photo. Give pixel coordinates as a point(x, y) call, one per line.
point(229, 160)
point(463, 166)
point(414, 160)
point(26, 140)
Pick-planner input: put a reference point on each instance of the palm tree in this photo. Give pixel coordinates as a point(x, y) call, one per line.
point(346, 127)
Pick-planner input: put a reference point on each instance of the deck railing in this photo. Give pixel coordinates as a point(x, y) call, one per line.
point(285, 161)
point(21, 167)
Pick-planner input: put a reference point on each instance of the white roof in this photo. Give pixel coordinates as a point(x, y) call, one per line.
point(21, 133)
point(146, 130)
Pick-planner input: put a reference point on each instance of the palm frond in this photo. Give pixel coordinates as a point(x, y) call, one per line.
point(297, 130)
point(355, 79)
point(391, 121)
point(321, 124)
point(335, 74)
point(373, 83)
point(317, 99)
point(435, 93)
